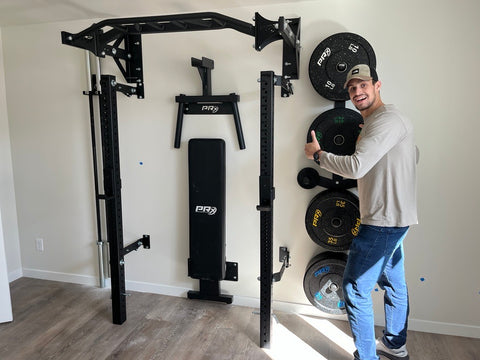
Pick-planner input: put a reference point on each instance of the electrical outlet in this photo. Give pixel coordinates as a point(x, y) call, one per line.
point(39, 244)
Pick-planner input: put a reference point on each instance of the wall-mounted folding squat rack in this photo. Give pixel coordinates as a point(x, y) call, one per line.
point(121, 39)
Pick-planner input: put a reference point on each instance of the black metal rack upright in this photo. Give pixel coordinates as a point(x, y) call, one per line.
point(121, 39)
point(267, 195)
point(112, 185)
point(268, 81)
point(113, 199)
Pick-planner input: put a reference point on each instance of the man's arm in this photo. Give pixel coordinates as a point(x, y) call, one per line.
point(376, 139)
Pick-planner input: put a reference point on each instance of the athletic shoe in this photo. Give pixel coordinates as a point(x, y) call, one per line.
point(393, 354)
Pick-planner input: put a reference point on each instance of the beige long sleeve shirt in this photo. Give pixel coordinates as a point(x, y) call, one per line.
point(384, 163)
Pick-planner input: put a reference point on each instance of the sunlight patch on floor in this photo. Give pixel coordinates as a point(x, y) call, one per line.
point(332, 332)
point(285, 345)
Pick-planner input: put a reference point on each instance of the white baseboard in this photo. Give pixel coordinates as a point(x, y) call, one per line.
point(62, 277)
point(156, 288)
point(14, 275)
point(442, 328)
point(296, 308)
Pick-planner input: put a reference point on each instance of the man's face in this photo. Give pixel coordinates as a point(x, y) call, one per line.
point(363, 93)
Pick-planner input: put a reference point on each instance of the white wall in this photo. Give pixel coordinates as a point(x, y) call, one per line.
point(5, 300)
point(7, 192)
point(427, 55)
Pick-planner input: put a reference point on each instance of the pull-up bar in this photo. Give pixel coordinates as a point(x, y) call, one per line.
point(105, 39)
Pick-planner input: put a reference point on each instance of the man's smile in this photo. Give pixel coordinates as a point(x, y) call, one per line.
point(360, 98)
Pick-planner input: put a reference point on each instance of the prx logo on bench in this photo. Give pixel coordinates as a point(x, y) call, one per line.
point(209, 210)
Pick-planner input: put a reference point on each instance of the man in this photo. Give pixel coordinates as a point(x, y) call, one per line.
point(384, 162)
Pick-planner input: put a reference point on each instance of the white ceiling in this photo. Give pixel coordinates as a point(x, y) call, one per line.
point(23, 12)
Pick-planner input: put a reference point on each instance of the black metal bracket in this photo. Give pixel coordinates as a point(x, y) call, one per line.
point(204, 67)
point(210, 289)
point(124, 89)
point(284, 257)
point(267, 31)
point(129, 90)
point(309, 177)
point(144, 241)
point(121, 39)
point(231, 271)
point(337, 182)
point(207, 104)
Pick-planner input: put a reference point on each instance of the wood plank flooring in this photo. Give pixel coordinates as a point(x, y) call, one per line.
point(62, 321)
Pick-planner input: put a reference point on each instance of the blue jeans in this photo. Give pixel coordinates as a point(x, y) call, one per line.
point(376, 256)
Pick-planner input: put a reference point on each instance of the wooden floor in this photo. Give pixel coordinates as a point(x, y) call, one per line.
point(54, 320)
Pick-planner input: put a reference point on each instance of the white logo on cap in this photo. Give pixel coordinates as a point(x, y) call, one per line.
point(355, 71)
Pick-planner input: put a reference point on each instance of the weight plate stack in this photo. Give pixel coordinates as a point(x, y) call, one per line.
point(322, 282)
point(332, 219)
point(337, 130)
point(333, 58)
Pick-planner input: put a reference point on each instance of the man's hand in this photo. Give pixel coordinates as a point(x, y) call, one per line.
point(312, 147)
